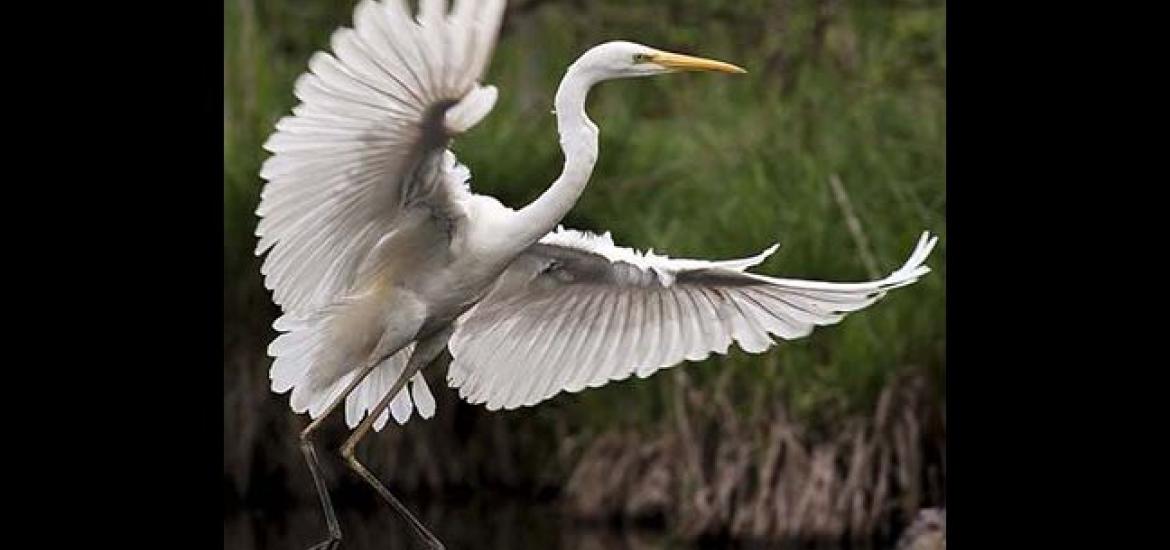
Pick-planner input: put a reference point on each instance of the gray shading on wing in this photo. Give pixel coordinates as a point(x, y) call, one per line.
point(368, 142)
point(362, 157)
point(576, 311)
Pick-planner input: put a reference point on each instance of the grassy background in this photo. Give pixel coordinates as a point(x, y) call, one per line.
point(693, 165)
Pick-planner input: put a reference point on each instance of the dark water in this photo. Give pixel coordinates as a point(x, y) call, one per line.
point(504, 525)
point(501, 525)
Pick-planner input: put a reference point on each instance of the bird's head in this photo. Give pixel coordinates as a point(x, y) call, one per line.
point(621, 59)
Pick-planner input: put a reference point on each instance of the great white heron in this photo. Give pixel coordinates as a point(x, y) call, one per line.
point(381, 256)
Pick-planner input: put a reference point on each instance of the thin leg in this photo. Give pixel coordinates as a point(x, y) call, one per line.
point(423, 354)
point(310, 453)
point(334, 539)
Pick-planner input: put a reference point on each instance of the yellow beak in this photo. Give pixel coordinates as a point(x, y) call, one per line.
point(680, 62)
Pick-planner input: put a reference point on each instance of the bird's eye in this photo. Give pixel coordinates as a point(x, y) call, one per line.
point(641, 57)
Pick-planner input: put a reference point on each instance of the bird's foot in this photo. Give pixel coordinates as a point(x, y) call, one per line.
point(428, 539)
point(331, 543)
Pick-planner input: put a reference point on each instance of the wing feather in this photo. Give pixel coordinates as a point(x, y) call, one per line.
point(620, 339)
point(692, 321)
point(553, 378)
point(368, 142)
point(597, 339)
point(578, 311)
point(537, 364)
point(715, 319)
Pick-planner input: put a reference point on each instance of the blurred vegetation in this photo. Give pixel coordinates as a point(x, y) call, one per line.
point(691, 165)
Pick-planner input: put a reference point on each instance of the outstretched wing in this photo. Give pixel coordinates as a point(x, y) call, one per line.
point(367, 142)
point(576, 311)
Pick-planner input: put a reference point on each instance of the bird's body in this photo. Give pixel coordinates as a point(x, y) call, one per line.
point(381, 256)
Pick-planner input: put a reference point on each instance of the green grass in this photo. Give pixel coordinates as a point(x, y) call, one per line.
point(693, 165)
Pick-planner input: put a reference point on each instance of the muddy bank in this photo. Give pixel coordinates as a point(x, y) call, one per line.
point(710, 473)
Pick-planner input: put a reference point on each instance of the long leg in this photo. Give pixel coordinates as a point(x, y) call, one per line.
point(390, 344)
point(424, 353)
point(310, 453)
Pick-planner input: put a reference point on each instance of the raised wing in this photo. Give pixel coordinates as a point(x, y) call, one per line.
point(368, 140)
point(576, 311)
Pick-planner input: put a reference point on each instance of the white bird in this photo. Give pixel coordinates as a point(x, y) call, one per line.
point(381, 256)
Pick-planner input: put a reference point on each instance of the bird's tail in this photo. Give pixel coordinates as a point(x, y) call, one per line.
point(318, 356)
point(309, 363)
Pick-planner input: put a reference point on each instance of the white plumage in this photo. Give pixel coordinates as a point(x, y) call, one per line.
point(381, 256)
point(340, 174)
point(339, 180)
point(581, 312)
point(361, 190)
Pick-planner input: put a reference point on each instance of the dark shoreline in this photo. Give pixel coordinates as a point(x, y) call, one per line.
point(515, 523)
point(704, 478)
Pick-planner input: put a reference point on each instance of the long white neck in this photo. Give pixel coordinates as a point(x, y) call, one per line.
point(579, 145)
